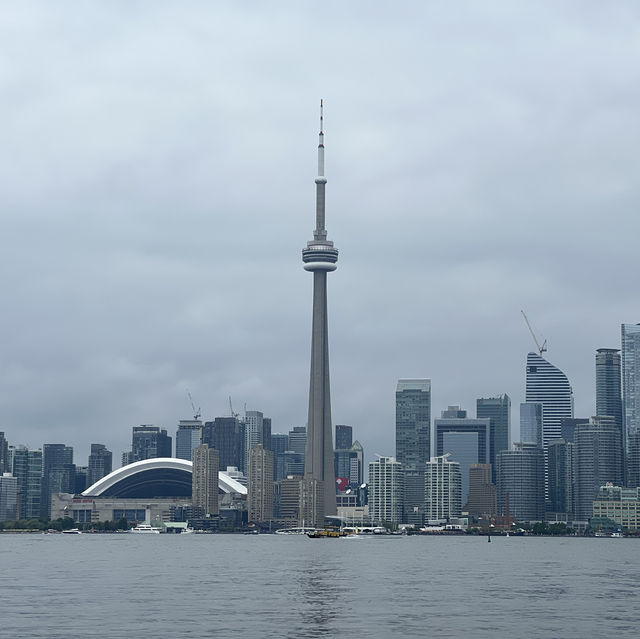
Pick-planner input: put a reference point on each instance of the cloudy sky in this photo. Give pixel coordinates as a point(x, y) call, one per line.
point(156, 187)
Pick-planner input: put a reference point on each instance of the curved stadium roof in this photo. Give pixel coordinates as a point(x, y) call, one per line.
point(158, 477)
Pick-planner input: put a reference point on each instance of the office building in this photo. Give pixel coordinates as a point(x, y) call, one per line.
point(149, 442)
point(8, 497)
point(82, 473)
point(413, 443)
point(443, 485)
point(204, 482)
point(561, 477)
point(4, 455)
point(619, 505)
point(597, 460)
point(498, 411)
point(386, 479)
point(279, 445)
point(257, 429)
point(609, 385)
point(58, 474)
point(466, 440)
point(100, 464)
point(482, 492)
point(549, 386)
point(520, 476)
point(320, 257)
point(344, 437)
point(227, 436)
point(568, 427)
point(260, 486)
point(531, 423)
point(188, 438)
point(349, 464)
point(287, 501)
point(27, 469)
point(298, 440)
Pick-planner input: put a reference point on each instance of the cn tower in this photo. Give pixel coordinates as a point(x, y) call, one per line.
point(320, 257)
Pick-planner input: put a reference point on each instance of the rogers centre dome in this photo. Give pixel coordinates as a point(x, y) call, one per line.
point(158, 477)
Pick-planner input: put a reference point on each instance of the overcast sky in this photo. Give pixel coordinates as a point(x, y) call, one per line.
point(157, 164)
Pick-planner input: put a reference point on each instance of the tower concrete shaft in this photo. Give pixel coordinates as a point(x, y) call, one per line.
point(320, 257)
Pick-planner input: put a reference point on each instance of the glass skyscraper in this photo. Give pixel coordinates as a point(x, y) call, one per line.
point(531, 423)
point(608, 384)
point(498, 410)
point(631, 379)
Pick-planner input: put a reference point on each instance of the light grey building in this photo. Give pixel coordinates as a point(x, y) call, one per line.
point(260, 484)
point(520, 475)
point(413, 442)
point(188, 438)
point(597, 460)
point(386, 488)
point(531, 423)
point(443, 485)
point(631, 397)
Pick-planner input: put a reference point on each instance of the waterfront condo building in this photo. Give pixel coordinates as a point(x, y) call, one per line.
point(386, 484)
point(631, 399)
point(443, 485)
point(204, 481)
point(260, 484)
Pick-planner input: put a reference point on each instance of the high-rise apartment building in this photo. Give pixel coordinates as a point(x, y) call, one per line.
point(386, 488)
point(413, 443)
point(149, 442)
point(204, 481)
point(4, 455)
point(597, 460)
point(482, 491)
point(188, 438)
point(288, 501)
point(465, 440)
point(8, 496)
point(100, 463)
point(227, 436)
point(260, 485)
point(58, 474)
point(443, 485)
point(549, 386)
point(520, 475)
point(498, 411)
point(531, 423)
point(257, 429)
point(631, 399)
point(609, 385)
point(27, 468)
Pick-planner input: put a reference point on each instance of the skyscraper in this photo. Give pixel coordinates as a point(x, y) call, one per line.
point(204, 481)
point(8, 496)
point(27, 468)
point(443, 488)
point(58, 474)
point(631, 397)
point(549, 386)
point(279, 445)
point(561, 476)
point(344, 437)
point(260, 485)
point(188, 438)
point(149, 442)
point(520, 474)
point(413, 443)
point(597, 460)
point(320, 257)
point(100, 463)
point(531, 423)
point(609, 385)
point(482, 492)
point(227, 436)
point(498, 410)
point(258, 430)
point(4, 455)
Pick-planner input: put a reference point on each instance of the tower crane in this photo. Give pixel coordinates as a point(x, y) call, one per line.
point(541, 349)
point(231, 408)
point(196, 413)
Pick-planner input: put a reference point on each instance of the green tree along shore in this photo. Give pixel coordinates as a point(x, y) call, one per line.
point(65, 523)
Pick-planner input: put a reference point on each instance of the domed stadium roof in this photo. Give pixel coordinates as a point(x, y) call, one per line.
point(158, 477)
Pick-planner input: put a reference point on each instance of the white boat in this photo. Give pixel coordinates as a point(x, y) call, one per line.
point(72, 531)
point(145, 529)
point(295, 531)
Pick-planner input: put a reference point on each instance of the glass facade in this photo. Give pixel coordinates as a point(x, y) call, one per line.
point(531, 423)
point(498, 410)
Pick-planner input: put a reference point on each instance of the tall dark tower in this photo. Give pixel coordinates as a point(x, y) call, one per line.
point(319, 257)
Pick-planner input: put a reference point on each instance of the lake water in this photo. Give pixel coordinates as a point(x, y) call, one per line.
point(71, 586)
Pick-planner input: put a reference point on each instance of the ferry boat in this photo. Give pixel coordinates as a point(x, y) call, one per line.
point(328, 533)
point(72, 531)
point(145, 529)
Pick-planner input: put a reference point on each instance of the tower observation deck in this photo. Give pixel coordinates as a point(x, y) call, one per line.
point(319, 257)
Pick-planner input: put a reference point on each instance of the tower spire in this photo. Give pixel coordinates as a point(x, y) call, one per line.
point(320, 233)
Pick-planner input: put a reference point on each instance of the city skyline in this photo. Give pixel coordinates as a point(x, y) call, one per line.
point(144, 255)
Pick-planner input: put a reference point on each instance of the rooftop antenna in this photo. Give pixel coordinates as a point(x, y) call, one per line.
point(541, 349)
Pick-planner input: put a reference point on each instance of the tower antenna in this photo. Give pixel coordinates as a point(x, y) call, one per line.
point(541, 349)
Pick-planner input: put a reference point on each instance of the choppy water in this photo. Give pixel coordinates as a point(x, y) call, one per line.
point(75, 586)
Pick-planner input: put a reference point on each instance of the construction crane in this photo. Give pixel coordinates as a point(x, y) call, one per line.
point(196, 413)
point(541, 349)
point(231, 408)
